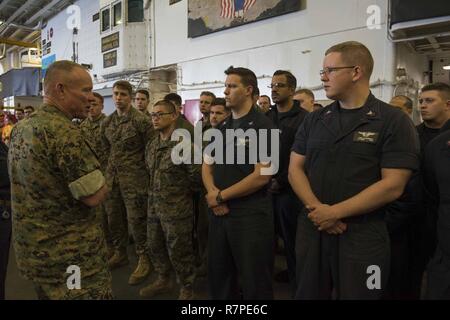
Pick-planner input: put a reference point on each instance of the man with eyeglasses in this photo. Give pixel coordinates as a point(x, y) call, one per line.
point(287, 115)
point(170, 207)
point(125, 134)
point(349, 160)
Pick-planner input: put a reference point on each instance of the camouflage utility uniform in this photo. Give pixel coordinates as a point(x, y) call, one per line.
point(91, 131)
point(170, 210)
point(51, 167)
point(126, 137)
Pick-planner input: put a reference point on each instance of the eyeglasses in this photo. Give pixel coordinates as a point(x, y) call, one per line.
point(277, 85)
point(329, 70)
point(158, 115)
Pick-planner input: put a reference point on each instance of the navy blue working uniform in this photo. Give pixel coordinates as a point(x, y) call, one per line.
point(241, 242)
point(286, 205)
point(423, 226)
point(5, 217)
point(345, 151)
point(437, 175)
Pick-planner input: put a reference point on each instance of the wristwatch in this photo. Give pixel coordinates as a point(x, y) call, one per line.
point(219, 198)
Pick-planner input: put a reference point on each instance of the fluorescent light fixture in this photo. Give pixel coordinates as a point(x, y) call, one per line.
point(447, 67)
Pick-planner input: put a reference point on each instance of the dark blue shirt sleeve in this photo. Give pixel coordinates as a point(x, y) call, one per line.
point(401, 146)
point(301, 136)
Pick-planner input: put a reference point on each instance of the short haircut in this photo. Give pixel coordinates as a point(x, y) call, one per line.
point(64, 67)
point(219, 102)
point(144, 92)
point(257, 92)
point(407, 102)
point(354, 53)
point(208, 93)
point(444, 89)
point(166, 103)
point(174, 98)
point(291, 79)
point(305, 91)
point(123, 84)
point(248, 77)
point(265, 96)
point(98, 96)
point(29, 107)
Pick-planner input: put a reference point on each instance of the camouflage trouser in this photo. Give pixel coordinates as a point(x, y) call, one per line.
point(103, 219)
point(170, 244)
point(95, 287)
point(201, 226)
point(127, 204)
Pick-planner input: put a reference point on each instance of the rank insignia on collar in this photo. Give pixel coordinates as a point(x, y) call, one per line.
point(328, 112)
point(365, 136)
point(370, 113)
point(250, 123)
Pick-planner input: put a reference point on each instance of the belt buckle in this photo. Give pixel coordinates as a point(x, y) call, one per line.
point(6, 215)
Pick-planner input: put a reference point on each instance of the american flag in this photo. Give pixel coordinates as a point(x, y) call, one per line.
point(230, 7)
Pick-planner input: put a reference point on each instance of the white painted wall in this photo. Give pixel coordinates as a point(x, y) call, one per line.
point(88, 36)
point(271, 44)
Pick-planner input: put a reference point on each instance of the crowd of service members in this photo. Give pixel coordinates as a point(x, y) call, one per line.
point(360, 197)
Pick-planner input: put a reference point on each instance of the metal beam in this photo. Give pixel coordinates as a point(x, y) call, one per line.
point(18, 43)
point(40, 15)
point(434, 44)
point(46, 8)
point(17, 13)
point(4, 3)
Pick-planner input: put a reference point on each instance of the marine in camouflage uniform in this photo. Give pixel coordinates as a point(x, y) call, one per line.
point(170, 210)
point(183, 123)
point(90, 128)
point(125, 137)
point(51, 167)
point(141, 101)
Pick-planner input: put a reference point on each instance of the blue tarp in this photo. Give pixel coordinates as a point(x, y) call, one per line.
point(20, 82)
